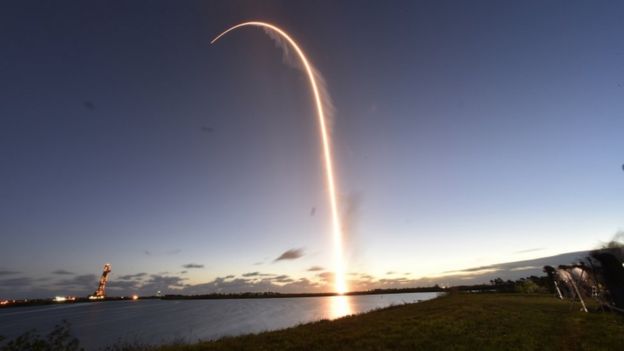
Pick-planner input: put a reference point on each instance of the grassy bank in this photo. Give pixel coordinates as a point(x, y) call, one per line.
point(454, 322)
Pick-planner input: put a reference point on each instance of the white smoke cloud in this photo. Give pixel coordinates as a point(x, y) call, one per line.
point(293, 60)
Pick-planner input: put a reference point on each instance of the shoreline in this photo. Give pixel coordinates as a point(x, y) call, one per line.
point(235, 296)
point(486, 321)
point(161, 322)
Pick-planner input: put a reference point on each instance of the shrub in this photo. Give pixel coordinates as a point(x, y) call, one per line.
point(59, 339)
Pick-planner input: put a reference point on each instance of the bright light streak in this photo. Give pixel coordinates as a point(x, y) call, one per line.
point(339, 269)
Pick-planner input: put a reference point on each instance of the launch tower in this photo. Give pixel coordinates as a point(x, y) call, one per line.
point(100, 293)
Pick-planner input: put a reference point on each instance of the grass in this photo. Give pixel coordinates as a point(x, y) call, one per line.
point(453, 322)
point(495, 321)
point(59, 339)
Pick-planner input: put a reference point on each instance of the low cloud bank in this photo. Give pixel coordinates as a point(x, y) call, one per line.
point(15, 285)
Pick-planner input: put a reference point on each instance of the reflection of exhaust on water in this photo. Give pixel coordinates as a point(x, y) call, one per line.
point(339, 306)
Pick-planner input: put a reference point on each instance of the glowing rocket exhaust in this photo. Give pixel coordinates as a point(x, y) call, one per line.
point(339, 270)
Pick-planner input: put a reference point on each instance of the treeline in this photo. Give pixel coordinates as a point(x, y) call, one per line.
point(435, 288)
point(51, 301)
point(532, 284)
point(257, 295)
point(247, 295)
point(528, 285)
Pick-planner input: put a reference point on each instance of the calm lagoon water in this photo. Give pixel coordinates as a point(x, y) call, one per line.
point(160, 321)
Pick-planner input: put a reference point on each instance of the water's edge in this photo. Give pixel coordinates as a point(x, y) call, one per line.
point(157, 322)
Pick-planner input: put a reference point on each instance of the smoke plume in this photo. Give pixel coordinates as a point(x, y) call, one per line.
point(293, 61)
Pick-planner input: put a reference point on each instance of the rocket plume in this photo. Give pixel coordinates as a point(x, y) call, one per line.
point(339, 269)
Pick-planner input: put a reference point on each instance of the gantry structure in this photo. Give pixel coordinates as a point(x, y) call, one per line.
point(100, 293)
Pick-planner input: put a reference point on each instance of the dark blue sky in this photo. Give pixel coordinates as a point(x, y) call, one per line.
point(464, 133)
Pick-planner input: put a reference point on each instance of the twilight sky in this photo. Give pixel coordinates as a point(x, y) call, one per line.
point(465, 134)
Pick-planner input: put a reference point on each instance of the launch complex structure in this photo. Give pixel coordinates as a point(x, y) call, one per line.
point(100, 293)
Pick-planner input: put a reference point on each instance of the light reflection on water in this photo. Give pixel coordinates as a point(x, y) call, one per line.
point(160, 321)
point(339, 306)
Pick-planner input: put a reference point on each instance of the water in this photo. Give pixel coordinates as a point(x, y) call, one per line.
point(160, 321)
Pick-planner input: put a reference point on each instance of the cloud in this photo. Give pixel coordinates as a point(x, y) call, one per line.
point(148, 286)
point(145, 285)
point(473, 270)
point(394, 281)
point(524, 268)
point(6, 272)
point(390, 273)
point(192, 265)
point(63, 272)
point(132, 276)
point(529, 250)
point(221, 285)
point(78, 285)
point(121, 286)
point(162, 283)
point(534, 266)
point(162, 253)
point(13, 283)
point(282, 284)
point(83, 285)
point(326, 276)
point(291, 254)
point(282, 279)
point(257, 274)
point(322, 281)
point(315, 269)
point(506, 271)
point(86, 281)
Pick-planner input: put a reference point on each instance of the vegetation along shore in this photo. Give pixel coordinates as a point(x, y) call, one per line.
point(457, 321)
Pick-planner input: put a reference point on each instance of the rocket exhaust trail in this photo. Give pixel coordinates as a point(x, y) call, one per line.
point(339, 270)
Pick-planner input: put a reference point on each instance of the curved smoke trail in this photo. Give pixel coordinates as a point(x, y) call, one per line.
point(318, 90)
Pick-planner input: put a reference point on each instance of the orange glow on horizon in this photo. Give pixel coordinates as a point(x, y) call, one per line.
point(339, 266)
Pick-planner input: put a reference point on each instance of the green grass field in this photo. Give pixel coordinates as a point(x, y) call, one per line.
point(453, 322)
